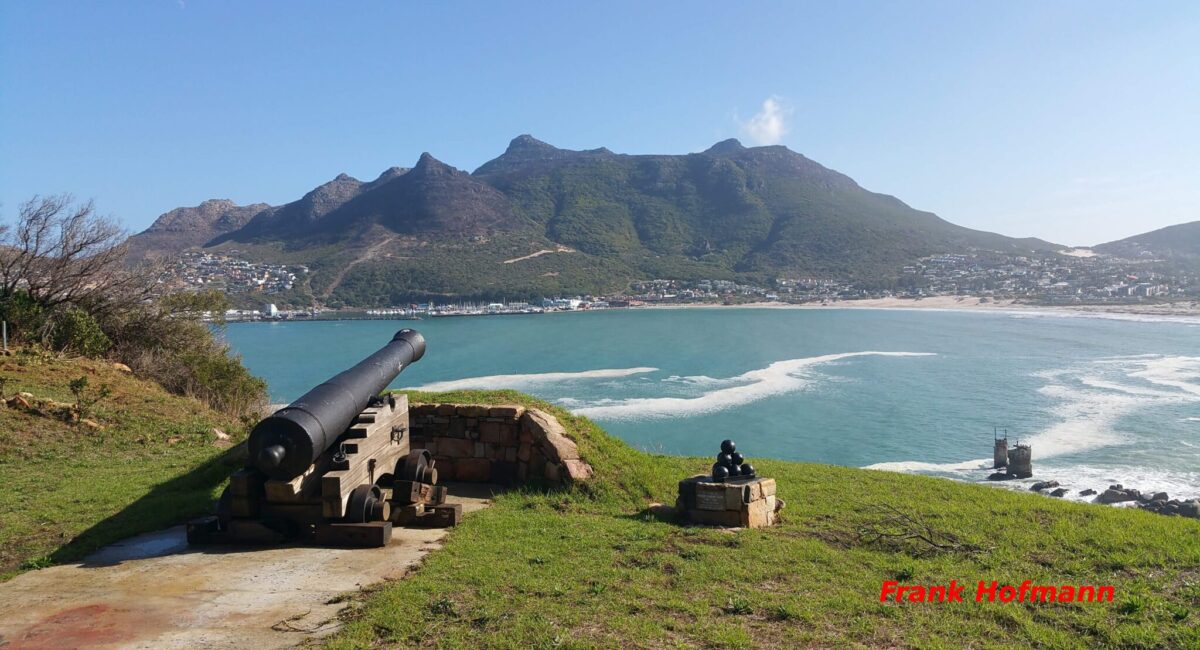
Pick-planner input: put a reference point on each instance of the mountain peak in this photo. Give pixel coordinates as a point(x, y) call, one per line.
point(726, 147)
point(427, 164)
point(390, 173)
point(345, 177)
point(526, 142)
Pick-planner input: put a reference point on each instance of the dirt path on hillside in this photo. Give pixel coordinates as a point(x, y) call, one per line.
point(154, 591)
point(544, 251)
point(371, 253)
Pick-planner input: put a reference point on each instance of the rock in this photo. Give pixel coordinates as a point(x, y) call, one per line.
point(91, 424)
point(219, 434)
point(1190, 509)
point(1043, 485)
point(20, 401)
point(1116, 486)
point(1114, 496)
point(577, 470)
point(563, 447)
point(1160, 496)
point(662, 512)
point(1059, 492)
point(1087, 493)
point(1000, 476)
point(122, 367)
point(174, 439)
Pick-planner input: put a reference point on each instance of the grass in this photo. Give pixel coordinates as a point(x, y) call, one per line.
point(69, 489)
point(592, 567)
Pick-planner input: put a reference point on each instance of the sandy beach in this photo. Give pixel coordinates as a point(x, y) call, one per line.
point(1187, 309)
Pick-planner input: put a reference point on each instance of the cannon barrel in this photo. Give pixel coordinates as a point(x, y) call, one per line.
point(284, 444)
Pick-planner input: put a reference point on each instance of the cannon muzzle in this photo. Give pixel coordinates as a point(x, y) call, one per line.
point(287, 442)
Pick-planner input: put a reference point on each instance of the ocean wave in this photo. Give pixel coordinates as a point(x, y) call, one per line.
point(1121, 316)
point(1089, 403)
point(916, 466)
point(536, 379)
point(776, 379)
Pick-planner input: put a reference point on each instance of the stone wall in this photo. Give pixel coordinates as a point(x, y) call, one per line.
point(505, 444)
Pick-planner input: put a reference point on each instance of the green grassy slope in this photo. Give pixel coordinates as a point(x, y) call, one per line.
point(591, 566)
point(66, 489)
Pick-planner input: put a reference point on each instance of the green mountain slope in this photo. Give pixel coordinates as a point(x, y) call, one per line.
point(1179, 241)
point(730, 212)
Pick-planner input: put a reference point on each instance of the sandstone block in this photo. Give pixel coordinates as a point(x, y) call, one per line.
point(560, 447)
point(511, 412)
point(422, 410)
point(758, 514)
point(456, 447)
point(489, 431)
point(472, 411)
point(715, 517)
point(481, 450)
point(508, 434)
point(553, 472)
point(768, 487)
point(510, 454)
point(577, 470)
point(524, 452)
point(478, 470)
point(445, 410)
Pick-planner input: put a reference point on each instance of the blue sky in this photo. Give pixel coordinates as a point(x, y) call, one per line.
point(1077, 122)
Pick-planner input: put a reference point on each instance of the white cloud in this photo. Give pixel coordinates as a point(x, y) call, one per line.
point(769, 125)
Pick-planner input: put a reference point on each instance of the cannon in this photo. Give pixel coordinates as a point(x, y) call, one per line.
point(287, 442)
point(335, 465)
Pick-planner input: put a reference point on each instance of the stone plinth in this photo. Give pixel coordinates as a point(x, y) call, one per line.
point(748, 503)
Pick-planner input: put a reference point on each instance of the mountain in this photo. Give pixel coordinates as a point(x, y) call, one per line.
point(539, 219)
point(1179, 241)
point(184, 228)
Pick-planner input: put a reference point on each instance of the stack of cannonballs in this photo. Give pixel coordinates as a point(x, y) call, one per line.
point(731, 464)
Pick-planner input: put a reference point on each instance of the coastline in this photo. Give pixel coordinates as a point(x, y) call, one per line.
point(1174, 310)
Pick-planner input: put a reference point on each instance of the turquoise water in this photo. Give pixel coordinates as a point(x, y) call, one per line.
point(1101, 400)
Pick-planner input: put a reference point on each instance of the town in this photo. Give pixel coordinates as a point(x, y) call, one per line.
point(1076, 277)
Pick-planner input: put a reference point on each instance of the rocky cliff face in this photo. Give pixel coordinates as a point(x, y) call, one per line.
point(184, 228)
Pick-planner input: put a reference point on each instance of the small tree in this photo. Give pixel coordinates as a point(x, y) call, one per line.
point(83, 400)
point(60, 252)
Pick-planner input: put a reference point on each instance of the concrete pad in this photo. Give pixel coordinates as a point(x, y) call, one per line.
point(154, 591)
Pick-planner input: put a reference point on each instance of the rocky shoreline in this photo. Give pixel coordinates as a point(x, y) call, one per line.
point(1158, 502)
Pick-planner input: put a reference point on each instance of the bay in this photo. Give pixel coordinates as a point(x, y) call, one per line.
point(1102, 400)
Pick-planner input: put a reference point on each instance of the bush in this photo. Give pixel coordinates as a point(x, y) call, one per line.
point(75, 330)
point(166, 342)
point(25, 317)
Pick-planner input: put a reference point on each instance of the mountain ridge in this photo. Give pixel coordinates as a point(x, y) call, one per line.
point(727, 212)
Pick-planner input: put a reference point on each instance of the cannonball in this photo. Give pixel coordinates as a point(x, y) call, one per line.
point(733, 470)
point(725, 459)
point(737, 458)
point(728, 446)
point(746, 469)
point(720, 471)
